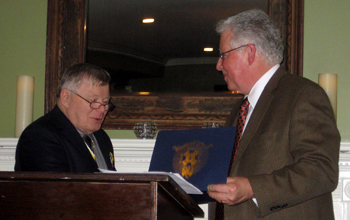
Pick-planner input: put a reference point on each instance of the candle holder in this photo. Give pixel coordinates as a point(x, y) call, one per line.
point(145, 130)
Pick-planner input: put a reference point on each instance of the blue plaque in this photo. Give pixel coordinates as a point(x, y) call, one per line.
point(201, 156)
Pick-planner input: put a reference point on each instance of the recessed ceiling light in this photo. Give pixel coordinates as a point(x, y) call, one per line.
point(148, 20)
point(208, 49)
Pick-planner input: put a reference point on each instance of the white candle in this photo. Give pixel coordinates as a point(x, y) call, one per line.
point(24, 103)
point(329, 82)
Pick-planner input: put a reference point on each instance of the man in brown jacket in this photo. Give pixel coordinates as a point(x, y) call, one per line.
point(286, 164)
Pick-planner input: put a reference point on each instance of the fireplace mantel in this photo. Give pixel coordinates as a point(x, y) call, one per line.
point(134, 155)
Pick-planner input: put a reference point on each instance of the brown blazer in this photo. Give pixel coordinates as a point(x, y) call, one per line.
point(289, 152)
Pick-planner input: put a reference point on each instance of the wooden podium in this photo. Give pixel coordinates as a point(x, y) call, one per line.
point(47, 196)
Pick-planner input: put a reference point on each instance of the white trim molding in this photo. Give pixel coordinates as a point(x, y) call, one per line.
point(134, 155)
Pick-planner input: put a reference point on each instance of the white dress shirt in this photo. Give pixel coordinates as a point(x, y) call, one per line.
point(255, 92)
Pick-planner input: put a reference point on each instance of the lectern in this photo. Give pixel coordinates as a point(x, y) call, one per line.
point(35, 195)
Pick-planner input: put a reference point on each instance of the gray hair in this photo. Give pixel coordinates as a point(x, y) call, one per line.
point(255, 27)
point(74, 75)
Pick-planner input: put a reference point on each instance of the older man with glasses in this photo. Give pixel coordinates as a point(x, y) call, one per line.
point(69, 138)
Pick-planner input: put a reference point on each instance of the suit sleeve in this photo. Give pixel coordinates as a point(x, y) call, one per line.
point(313, 142)
point(40, 150)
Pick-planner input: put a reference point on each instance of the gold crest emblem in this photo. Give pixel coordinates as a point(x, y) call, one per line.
point(190, 158)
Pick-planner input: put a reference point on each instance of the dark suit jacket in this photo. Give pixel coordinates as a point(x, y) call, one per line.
point(289, 152)
point(52, 143)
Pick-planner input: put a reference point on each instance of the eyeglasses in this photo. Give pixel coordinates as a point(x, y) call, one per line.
point(222, 54)
point(96, 105)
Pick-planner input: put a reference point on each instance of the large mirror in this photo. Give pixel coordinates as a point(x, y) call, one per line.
point(160, 70)
point(174, 53)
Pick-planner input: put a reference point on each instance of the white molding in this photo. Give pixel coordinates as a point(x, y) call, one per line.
point(134, 155)
point(7, 153)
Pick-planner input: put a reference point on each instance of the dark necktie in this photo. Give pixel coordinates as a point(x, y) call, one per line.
point(89, 142)
point(243, 112)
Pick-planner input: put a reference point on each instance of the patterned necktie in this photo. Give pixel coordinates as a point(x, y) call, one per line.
point(243, 112)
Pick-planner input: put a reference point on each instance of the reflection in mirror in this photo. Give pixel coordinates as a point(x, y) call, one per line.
point(164, 56)
point(65, 44)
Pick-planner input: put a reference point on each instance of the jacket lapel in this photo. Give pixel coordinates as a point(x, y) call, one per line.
point(257, 116)
point(73, 138)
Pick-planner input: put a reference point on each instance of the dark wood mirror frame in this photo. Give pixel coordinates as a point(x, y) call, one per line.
point(65, 47)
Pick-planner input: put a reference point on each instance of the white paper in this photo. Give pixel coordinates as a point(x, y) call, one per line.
point(185, 185)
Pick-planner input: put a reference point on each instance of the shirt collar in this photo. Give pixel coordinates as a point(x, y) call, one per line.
point(259, 86)
point(82, 134)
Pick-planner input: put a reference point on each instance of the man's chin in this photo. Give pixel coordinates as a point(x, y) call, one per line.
point(95, 128)
point(231, 88)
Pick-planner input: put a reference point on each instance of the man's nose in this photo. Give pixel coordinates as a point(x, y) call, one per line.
point(219, 64)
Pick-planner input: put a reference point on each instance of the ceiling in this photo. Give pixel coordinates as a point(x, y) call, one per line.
point(181, 30)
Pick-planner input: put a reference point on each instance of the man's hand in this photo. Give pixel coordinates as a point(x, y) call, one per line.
point(236, 190)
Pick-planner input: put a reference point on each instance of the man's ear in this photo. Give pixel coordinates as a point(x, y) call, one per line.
point(251, 53)
point(65, 96)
